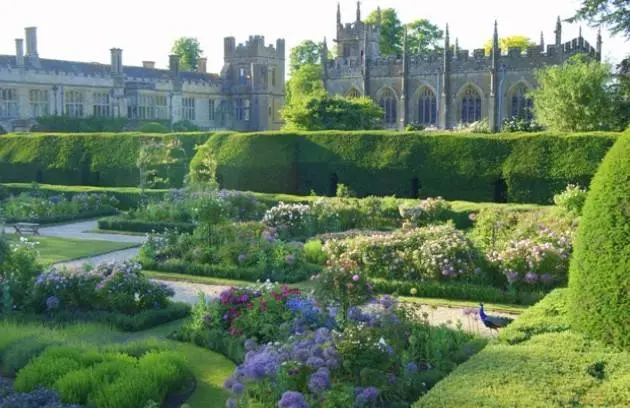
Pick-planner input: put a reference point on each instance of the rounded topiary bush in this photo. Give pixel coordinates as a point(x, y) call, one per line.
point(599, 275)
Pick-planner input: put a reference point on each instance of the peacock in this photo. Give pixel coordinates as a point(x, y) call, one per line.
point(493, 322)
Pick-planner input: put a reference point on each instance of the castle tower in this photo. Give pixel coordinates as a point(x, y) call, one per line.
point(444, 108)
point(253, 77)
point(354, 39)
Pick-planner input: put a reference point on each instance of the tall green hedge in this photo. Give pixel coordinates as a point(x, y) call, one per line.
point(96, 159)
point(599, 276)
point(516, 167)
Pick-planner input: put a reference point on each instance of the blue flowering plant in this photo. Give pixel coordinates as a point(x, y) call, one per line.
point(33, 206)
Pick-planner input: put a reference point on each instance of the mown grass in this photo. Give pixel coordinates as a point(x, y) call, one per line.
point(53, 250)
point(538, 361)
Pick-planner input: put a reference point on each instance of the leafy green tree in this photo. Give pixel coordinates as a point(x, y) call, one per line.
point(392, 31)
point(339, 113)
point(574, 96)
point(519, 41)
point(306, 52)
point(189, 51)
point(304, 83)
point(422, 36)
point(614, 14)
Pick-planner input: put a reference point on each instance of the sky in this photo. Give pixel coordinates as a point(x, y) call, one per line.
point(81, 30)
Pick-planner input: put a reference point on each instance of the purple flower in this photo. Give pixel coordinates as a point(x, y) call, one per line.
point(356, 278)
point(511, 276)
point(388, 301)
point(319, 381)
point(230, 403)
point(52, 303)
point(411, 368)
point(292, 399)
point(238, 388)
point(531, 277)
point(315, 362)
point(242, 258)
point(366, 395)
point(322, 335)
point(290, 259)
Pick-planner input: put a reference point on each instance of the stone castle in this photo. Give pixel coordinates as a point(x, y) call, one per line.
point(441, 89)
point(246, 95)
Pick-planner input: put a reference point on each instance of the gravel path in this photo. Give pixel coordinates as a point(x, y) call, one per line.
point(76, 230)
point(437, 315)
point(116, 256)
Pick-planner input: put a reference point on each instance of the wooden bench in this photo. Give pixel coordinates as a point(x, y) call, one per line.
point(22, 227)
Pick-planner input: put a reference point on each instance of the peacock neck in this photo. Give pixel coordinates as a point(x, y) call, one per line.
point(482, 314)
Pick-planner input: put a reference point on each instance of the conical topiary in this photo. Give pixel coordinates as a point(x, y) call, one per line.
point(599, 275)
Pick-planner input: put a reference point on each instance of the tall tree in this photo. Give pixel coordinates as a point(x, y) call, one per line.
point(613, 14)
point(306, 52)
point(575, 96)
point(519, 41)
point(189, 51)
point(422, 36)
point(333, 112)
point(304, 83)
point(392, 30)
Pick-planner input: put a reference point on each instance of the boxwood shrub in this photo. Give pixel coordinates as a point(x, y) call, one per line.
point(599, 275)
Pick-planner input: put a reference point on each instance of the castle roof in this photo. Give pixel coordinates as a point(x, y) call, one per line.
point(98, 69)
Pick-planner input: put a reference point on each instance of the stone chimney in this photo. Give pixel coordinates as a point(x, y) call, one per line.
point(173, 64)
point(116, 61)
point(19, 52)
point(202, 65)
point(148, 64)
point(31, 42)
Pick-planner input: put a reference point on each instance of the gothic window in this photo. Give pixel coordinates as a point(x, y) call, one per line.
point(74, 101)
point(353, 93)
point(8, 103)
point(273, 76)
point(102, 106)
point(188, 109)
point(38, 98)
point(211, 109)
point(471, 106)
point(521, 104)
point(387, 102)
point(427, 107)
point(242, 109)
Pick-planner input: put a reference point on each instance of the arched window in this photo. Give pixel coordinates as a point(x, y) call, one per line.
point(388, 103)
point(471, 106)
point(521, 104)
point(427, 107)
point(353, 93)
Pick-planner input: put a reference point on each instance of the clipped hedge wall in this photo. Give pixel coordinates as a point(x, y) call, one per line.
point(95, 159)
point(527, 167)
point(599, 275)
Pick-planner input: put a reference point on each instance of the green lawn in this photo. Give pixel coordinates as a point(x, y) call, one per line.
point(52, 249)
point(538, 361)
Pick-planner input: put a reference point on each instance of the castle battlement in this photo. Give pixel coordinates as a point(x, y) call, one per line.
point(254, 47)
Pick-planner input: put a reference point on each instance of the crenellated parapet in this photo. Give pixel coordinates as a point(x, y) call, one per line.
point(254, 47)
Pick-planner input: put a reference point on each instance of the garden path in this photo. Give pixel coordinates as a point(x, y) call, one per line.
point(187, 292)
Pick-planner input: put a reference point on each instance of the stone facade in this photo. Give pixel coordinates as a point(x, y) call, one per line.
point(445, 89)
point(246, 95)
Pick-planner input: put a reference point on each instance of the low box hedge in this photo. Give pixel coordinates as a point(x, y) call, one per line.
point(121, 223)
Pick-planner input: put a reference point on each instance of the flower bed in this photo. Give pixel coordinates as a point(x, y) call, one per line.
point(296, 350)
point(30, 207)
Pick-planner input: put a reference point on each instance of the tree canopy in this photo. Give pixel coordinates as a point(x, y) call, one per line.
point(613, 14)
point(322, 112)
point(189, 51)
point(422, 35)
point(575, 96)
point(505, 43)
point(306, 52)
